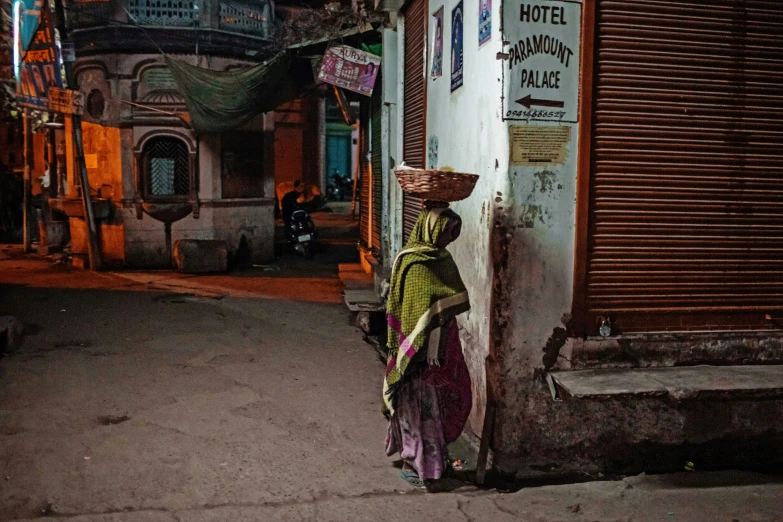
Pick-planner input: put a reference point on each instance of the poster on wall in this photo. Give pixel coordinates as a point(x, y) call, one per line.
point(437, 44)
point(40, 67)
point(485, 21)
point(457, 63)
point(541, 75)
point(28, 14)
point(350, 68)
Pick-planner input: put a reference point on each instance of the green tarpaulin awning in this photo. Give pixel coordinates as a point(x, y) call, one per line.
point(219, 101)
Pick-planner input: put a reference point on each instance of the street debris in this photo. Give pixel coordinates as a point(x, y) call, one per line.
point(459, 464)
point(110, 420)
point(268, 268)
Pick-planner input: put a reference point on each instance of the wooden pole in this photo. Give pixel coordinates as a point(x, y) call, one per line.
point(54, 174)
point(89, 212)
point(28, 174)
point(486, 438)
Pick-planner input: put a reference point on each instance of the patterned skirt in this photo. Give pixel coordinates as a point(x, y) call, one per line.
point(431, 409)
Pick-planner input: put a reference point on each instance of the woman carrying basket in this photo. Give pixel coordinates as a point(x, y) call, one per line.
point(427, 389)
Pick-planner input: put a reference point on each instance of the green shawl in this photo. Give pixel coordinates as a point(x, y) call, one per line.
point(425, 293)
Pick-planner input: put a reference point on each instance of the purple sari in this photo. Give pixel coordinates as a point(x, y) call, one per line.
point(432, 406)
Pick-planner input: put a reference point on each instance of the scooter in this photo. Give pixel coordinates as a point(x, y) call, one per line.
point(334, 191)
point(301, 233)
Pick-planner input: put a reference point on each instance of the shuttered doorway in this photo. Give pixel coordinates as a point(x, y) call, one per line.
point(414, 102)
point(686, 202)
point(376, 163)
point(365, 176)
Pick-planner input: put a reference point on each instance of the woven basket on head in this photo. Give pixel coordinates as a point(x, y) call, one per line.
point(436, 185)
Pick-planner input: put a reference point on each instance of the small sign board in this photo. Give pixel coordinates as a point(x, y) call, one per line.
point(66, 101)
point(541, 75)
point(350, 68)
point(91, 161)
point(68, 50)
point(539, 145)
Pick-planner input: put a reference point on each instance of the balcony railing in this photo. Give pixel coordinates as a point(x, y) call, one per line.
point(250, 17)
point(242, 18)
point(165, 13)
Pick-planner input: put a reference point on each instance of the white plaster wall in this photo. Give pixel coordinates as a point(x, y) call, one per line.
point(542, 225)
point(472, 138)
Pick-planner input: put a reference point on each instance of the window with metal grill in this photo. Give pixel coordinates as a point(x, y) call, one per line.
point(166, 167)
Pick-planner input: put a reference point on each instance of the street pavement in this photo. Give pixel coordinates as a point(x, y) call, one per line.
point(154, 396)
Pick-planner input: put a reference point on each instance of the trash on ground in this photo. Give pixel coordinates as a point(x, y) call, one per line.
point(268, 268)
point(459, 464)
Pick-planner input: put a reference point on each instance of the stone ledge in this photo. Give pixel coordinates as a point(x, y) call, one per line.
point(677, 383)
point(363, 300)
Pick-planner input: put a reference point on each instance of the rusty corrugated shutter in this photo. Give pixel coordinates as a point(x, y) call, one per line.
point(686, 203)
point(365, 179)
point(414, 102)
point(377, 177)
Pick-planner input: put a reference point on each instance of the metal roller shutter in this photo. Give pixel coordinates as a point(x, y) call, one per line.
point(377, 177)
point(365, 179)
point(686, 202)
point(414, 103)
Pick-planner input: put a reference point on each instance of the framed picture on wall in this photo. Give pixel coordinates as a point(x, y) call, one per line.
point(485, 21)
point(457, 63)
point(437, 44)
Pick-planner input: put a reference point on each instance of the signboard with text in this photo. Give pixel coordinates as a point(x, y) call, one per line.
point(40, 67)
point(66, 101)
point(350, 68)
point(541, 72)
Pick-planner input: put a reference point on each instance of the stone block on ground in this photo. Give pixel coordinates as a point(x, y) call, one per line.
point(200, 256)
point(47, 250)
point(80, 261)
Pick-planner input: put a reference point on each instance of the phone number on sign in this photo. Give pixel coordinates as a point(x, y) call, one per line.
point(535, 115)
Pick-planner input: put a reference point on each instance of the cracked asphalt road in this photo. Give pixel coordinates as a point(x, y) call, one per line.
point(152, 397)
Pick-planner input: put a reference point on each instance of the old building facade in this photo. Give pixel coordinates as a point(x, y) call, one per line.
point(155, 181)
point(621, 245)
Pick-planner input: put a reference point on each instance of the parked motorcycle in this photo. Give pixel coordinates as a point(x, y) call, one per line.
point(339, 188)
point(301, 233)
point(334, 190)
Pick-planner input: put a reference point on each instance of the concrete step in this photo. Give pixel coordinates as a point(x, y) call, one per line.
point(677, 383)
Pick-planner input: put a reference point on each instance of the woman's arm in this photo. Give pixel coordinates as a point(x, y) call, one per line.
point(433, 348)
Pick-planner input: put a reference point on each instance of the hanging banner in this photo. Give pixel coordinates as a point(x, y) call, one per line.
point(457, 65)
point(350, 69)
point(485, 21)
point(29, 16)
point(437, 44)
point(40, 67)
point(542, 74)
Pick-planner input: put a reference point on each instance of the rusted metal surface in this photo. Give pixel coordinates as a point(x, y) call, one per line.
point(414, 103)
point(686, 203)
point(377, 175)
point(365, 180)
point(583, 167)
